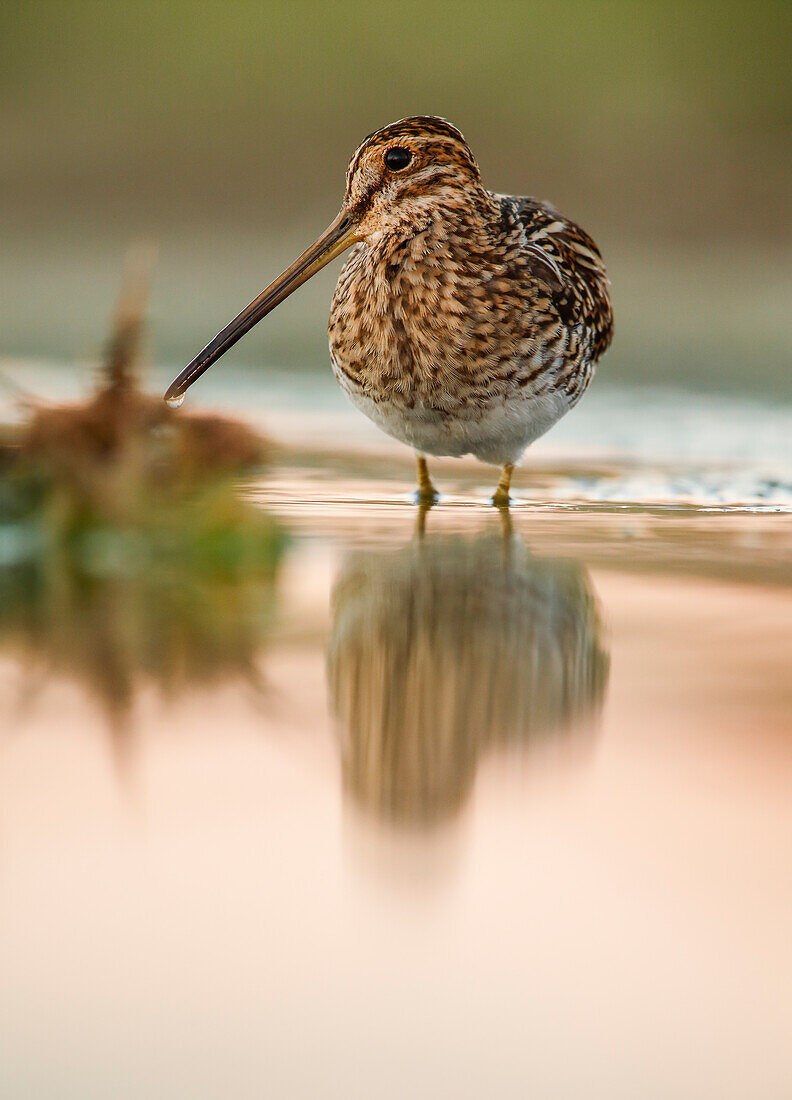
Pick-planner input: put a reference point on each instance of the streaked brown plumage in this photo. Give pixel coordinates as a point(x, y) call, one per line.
point(463, 321)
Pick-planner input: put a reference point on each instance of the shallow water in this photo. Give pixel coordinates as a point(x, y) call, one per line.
point(502, 811)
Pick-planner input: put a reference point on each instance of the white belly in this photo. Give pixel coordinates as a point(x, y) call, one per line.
point(497, 433)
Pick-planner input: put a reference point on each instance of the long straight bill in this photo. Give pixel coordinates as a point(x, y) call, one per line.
point(338, 236)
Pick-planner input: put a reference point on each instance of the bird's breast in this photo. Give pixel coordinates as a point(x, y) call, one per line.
point(426, 328)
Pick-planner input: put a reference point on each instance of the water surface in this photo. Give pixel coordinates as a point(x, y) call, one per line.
point(495, 810)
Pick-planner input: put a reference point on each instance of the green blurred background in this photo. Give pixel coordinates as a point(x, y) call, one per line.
point(222, 131)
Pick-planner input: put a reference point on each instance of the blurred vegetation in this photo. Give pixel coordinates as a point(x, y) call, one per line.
point(114, 631)
point(126, 553)
point(664, 115)
point(224, 129)
point(644, 116)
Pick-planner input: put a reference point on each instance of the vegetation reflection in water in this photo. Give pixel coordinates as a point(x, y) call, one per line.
point(446, 648)
point(114, 630)
point(126, 554)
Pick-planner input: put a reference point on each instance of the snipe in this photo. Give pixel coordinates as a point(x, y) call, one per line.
point(464, 321)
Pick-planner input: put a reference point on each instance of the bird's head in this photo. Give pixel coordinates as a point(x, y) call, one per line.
point(407, 173)
point(399, 179)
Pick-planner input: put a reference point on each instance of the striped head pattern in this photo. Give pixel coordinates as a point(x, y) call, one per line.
point(407, 169)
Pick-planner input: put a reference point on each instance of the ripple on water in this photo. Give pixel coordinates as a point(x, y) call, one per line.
point(744, 491)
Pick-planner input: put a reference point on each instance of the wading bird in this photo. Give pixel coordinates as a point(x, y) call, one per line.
point(464, 321)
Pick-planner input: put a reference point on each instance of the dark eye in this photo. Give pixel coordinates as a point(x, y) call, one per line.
point(397, 158)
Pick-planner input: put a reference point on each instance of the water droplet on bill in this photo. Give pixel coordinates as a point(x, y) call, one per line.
point(175, 402)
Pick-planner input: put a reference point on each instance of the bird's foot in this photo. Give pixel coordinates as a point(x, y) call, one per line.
point(501, 497)
point(426, 497)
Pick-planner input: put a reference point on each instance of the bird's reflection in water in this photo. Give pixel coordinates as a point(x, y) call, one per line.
point(446, 648)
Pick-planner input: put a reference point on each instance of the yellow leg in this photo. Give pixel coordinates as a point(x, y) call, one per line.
point(427, 494)
point(501, 496)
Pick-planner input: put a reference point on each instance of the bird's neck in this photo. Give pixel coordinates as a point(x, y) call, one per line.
point(440, 229)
